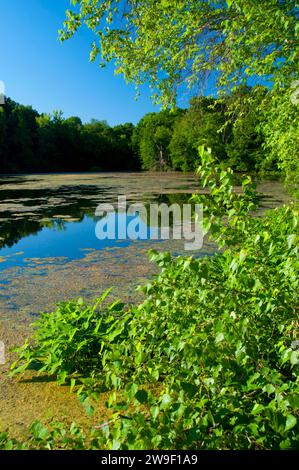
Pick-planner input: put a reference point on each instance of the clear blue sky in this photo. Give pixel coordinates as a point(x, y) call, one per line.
point(39, 70)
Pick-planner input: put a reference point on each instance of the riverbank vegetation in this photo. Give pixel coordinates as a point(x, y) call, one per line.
point(210, 359)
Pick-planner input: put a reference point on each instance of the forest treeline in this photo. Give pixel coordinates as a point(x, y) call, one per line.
point(167, 140)
point(33, 142)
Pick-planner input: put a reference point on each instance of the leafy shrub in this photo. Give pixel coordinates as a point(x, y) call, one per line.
point(70, 341)
point(280, 125)
point(52, 436)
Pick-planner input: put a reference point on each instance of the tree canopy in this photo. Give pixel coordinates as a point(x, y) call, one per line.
point(170, 140)
point(161, 141)
point(234, 39)
point(30, 142)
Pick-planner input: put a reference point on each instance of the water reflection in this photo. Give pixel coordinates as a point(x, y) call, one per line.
point(54, 215)
point(64, 231)
point(50, 252)
point(27, 212)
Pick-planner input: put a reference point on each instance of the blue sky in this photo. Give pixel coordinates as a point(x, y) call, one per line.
point(39, 70)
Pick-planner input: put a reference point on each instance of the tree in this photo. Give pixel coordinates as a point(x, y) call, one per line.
point(122, 147)
point(280, 126)
point(46, 142)
point(235, 39)
point(245, 150)
point(152, 137)
point(20, 133)
point(36, 143)
point(200, 124)
point(195, 37)
point(96, 141)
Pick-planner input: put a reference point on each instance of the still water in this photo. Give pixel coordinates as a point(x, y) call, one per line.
point(54, 215)
point(48, 248)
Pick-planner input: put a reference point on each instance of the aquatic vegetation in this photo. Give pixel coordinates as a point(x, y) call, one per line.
point(27, 206)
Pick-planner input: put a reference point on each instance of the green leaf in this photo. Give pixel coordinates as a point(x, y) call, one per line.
point(294, 358)
point(219, 338)
point(165, 401)
point(257, 409)
point(73, 383)
point(142, 396)
point(291, 421)
point(189, 388)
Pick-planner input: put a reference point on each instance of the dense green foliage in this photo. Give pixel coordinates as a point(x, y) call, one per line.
point(209, 360)
point(237, 40)
point(280, 126)
point(151, 139)
point(80, 331)
point(30, 142)
point(161, 141)
point(230, 126)
point(53, 436)
point(201, 124)
point(195, 37)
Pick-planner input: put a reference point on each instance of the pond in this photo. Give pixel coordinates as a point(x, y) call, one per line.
point(49, 250)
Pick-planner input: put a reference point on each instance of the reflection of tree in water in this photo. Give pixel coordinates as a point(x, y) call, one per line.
point(169, 200)
point(14, 230)
point(143, 212)
point(74, 205)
